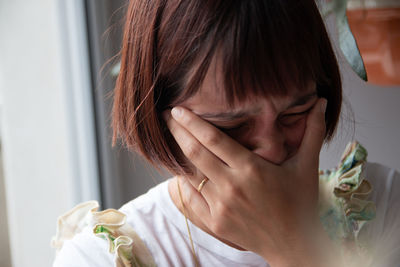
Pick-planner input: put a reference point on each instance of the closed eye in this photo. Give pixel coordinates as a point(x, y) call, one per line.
point(231, 128)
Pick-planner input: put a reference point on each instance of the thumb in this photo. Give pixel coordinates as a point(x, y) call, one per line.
point(314, 134)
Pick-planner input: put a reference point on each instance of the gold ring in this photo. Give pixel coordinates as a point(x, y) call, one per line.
point(201, 185)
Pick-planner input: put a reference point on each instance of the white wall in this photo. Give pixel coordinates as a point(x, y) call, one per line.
point(376, 120)
point(44, 156)
point(5, 257)
point(34, 130)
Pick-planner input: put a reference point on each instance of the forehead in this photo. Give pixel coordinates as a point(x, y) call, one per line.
point(212, 95)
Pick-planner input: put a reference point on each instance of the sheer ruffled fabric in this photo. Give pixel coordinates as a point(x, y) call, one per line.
point(110, 225)
point(344, 207)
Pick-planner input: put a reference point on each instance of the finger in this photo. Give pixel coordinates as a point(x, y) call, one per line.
point(200, 183)
point(223, 146)
point(194, 204)
point(208, 164)
point(314, 135)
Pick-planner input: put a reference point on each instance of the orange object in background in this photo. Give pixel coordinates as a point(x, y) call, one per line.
point(377, 32)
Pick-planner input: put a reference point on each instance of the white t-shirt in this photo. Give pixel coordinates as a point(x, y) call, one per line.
point(162, 227)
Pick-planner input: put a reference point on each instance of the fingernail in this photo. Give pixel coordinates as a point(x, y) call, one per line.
point(323, 105)
point(176, 112)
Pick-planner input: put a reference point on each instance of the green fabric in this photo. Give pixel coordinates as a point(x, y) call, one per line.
point(344, 204)
point(347, 42)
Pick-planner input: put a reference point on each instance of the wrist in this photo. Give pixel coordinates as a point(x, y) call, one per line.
point(312, 248)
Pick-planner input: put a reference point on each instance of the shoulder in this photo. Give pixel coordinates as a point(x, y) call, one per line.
point(384, 230)
point(385, 194)
point(147, 202)
point(75, 242)
point(149, 211)
point(88, 237)
point(385, 182)
point(84, 249)
point(382, 177)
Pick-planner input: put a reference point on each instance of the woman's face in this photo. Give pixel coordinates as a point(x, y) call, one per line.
point(272, 127)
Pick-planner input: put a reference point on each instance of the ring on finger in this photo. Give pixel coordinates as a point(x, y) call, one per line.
point(201, 185)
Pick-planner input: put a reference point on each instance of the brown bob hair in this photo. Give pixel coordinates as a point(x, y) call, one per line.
point(266, 46)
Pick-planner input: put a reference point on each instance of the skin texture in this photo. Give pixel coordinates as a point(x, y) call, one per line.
point(254, 199)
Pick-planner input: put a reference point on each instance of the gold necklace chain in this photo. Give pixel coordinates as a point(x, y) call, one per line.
point(196, 261)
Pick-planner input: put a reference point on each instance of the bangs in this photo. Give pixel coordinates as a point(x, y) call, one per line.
point(264, 48)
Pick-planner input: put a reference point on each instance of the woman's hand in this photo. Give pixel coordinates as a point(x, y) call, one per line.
point(257, 205)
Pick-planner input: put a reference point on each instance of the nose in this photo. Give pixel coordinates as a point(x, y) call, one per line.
point(271, 145)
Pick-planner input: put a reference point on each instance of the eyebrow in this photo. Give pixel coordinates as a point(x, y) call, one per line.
point(232, 115)
point(302, 100)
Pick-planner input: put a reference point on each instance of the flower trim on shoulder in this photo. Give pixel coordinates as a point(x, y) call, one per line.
point(110, 225)
point(344, 205)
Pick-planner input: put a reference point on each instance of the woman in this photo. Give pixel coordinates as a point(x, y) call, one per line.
point(235, 98)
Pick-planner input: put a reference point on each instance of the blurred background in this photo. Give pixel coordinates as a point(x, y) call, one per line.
point(58, 65)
